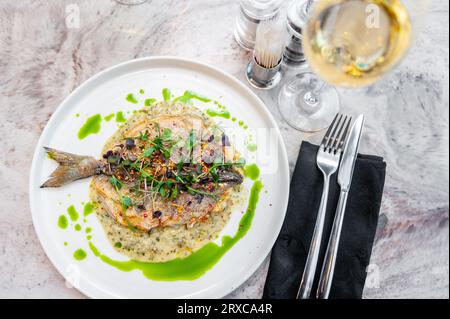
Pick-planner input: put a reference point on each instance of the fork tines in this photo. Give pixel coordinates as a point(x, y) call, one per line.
point(336, 134)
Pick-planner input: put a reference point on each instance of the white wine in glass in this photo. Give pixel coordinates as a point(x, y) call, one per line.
point(353, 43)
point(348, 43)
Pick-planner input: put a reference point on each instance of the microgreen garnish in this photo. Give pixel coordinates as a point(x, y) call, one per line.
point(143, 136)
point(115, 182)
point(149, 151)
point(126, 201)
point(154, 173)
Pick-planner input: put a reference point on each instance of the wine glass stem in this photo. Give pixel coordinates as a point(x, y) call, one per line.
point(312, 97)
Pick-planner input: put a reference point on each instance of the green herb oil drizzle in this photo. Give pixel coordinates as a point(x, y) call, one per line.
point(109, 117)
point(252, 172)
point(91, 126)
point(167, 94)
point(149, 102)
point(220, 112)
point(88, 209)
point(120, 118)
point(79, 254)
point(213, 113)
point(132, 99)
point(63, 222)
point(252, 147)
point(188, 96)
point(73, 214)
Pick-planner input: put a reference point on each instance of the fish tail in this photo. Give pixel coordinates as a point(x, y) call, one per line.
point(71, 167)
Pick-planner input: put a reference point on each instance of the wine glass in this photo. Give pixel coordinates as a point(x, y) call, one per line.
point(349, 43)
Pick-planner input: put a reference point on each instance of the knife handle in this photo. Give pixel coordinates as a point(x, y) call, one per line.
point(326, 276)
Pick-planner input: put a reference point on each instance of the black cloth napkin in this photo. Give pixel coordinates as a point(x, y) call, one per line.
point(358, 231)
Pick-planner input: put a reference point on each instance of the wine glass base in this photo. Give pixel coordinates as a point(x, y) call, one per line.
point(304, 114)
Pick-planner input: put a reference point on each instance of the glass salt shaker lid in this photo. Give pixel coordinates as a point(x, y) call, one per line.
point(261, 9)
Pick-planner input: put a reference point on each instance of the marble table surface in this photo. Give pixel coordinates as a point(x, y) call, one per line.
point(48, 48)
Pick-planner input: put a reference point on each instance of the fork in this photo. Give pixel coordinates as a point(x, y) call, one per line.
point(328, 158)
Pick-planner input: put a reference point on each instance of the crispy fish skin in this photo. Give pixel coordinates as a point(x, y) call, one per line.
point(187, 209)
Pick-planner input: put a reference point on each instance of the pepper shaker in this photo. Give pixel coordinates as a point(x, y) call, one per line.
point(297, 15)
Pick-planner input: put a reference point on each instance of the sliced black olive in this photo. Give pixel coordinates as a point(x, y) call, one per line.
point(204, 180)
point(157, 214)
point(199, 198)
point(225, 140)
point(129, 143)
point(211, 138)
point(107, 154)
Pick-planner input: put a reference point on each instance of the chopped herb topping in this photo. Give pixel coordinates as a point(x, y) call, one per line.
point(146, 166)
point(126, 201)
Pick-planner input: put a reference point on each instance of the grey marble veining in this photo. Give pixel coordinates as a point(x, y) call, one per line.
point(42, 60)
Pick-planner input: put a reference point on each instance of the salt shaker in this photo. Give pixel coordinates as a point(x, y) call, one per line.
point(297, 14)
point(252, 12)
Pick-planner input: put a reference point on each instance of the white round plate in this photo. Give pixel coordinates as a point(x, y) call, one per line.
point(105, 94)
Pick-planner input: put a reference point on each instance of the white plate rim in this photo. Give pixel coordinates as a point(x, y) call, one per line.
point(250, 270)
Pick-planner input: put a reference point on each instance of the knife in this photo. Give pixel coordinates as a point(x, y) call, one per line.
point(344, 180)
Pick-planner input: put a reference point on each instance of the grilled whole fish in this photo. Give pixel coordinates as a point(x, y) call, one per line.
point(165, 171)
point(73, 167)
